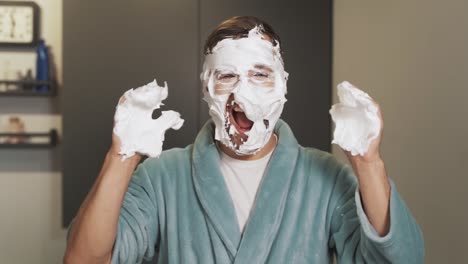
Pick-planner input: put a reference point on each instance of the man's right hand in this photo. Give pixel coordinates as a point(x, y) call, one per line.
point(134, 123)
point(94, 230)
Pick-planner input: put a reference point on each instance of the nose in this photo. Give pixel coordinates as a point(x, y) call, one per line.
point(242, 86)
point(245, 96)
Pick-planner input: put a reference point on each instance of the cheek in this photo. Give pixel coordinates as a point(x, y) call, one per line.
point(220, 89)
point(270, 84)
point(265, 88)
point(262, 82)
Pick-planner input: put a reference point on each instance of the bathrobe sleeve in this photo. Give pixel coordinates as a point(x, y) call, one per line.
point(138, 226)
point(355, 239)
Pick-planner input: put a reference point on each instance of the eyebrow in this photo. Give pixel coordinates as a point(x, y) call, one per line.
point(263, 67)
point(223, 72)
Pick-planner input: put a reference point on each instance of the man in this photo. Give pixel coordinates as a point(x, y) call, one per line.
point(245, 191)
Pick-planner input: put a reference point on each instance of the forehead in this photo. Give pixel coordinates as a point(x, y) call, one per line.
point(242, 55)
point(246, 48)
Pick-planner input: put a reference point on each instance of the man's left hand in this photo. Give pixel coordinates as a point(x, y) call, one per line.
point(373, 182)
point(373, 153)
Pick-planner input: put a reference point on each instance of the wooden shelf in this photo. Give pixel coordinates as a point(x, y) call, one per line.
point(52, 140)
point(30, 92)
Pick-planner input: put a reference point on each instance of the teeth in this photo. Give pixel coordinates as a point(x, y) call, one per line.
point(237, 108)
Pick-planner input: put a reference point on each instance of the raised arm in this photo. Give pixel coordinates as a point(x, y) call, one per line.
point(92, 235)
point(118, 220)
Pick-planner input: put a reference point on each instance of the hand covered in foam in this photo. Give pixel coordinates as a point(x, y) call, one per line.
point(134, 125)
point(357, 121)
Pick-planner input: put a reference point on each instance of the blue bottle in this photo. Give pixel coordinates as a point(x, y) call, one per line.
point(42, 66)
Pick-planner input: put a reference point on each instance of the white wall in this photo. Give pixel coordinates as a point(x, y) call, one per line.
point(412, 58)
point(30, 201)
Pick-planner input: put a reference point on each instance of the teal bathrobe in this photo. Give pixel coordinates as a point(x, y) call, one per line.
point(307, 208)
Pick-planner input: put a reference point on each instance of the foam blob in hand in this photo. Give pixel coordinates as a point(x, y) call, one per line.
point(134, 125)
point(356, 119)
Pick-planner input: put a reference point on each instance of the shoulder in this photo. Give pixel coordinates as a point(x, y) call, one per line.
point(321, 160)
point(326, 167)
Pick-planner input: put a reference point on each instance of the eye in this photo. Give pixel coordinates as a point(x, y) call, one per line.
point(261, 78)
point(259, 75)
point(226, 76)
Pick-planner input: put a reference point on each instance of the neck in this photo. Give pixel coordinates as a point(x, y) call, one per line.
point(271, 144)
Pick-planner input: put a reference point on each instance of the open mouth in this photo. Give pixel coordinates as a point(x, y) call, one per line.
point(238, 118)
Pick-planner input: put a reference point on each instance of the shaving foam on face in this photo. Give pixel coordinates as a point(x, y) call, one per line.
point(134, 125)
point(356, 119)
point(261, 104)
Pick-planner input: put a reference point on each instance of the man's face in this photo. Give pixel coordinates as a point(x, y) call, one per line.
point(244, 84)
point(225, 81)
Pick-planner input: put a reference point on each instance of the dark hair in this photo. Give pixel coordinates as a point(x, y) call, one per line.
point(239, 27)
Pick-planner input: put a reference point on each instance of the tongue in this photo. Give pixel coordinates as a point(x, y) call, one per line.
point(243, 121)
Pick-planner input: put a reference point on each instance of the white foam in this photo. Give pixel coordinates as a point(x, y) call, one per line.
point(356, 119)
point(134, 125)
point(258, 103)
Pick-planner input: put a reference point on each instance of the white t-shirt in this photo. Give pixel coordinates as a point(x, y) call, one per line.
point(242, 178)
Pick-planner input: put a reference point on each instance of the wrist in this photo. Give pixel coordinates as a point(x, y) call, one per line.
point(115, 158)
point(369, 160)
point(371, 173)
point(361, 165)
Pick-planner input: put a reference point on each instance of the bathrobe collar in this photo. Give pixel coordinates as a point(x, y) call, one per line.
point(267, 210)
